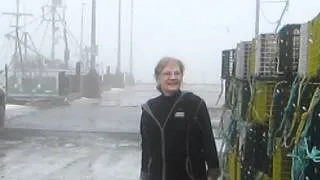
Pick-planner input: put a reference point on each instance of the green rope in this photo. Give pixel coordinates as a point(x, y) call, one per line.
point(301, 155)
point(288, 111)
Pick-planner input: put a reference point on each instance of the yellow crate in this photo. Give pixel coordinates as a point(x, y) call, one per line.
point(234, 166)
point(262, 101)
point(313, 47)
point(238, 168)
point(281, 169)
point(232, 175)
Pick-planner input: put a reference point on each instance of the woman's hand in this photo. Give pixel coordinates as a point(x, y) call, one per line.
point(212, 177)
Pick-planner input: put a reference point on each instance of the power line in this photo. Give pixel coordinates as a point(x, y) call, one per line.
point(3, 49)
point(38, 27)
point(273, 2)
point(69, 31)
point(266, 18)
point(43, 36)
point(10, 22)
point(74, 38)
point(282, 14)
point(277, 22)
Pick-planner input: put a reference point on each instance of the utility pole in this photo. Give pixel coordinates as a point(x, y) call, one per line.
point(53, 28)
point(257, 27)
point(25, 45)
point(81, 35)
point(131, 43)
point(257, 23)
point(17, 27)
point(93, 36)
point(118, 69)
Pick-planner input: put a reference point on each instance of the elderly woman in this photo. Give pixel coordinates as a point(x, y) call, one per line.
point(177, 139)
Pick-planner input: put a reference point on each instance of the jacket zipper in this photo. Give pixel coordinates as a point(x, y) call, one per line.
point(163, 154)
point(163, 147)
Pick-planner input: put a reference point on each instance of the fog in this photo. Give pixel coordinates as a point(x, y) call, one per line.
point(56, 128)
point(194, 31)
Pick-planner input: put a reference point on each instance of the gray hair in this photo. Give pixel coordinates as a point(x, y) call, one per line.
point(163, 62)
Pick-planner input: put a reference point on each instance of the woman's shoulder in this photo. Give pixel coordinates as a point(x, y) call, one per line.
point(191, 96)
point(150, 102)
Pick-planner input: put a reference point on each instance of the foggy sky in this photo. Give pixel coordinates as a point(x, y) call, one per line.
point(195, 31)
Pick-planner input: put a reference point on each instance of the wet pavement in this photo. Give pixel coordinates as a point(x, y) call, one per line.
point(88, 139)
point(66, 155)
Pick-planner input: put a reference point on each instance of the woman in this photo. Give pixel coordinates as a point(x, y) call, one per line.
point(177, 139)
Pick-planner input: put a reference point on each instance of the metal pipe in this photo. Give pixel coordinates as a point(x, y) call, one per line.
point(81, 34)
point(53, 26)
point(93, 36)
point(119, 39)
point(131, 40)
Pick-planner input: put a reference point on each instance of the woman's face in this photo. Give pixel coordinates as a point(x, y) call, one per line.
point(170, 78)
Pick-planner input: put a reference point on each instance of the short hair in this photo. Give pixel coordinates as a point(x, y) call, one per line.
point(163, 62)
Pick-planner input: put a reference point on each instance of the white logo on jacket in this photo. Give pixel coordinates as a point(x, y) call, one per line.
point(179, 114)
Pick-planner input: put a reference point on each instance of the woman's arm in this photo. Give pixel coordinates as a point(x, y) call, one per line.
point(210, 148)
point(144, 149)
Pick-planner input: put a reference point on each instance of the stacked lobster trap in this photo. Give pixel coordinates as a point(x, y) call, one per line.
point(275, 94)
point(266, 48)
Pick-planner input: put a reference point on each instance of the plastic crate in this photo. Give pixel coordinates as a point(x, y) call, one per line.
point(234, 166)
point(266, 49)
point(254, 156)
point(244, 49)
point(281, 163)
point(309, 63)
point(289, 47)
point(303, 56)
point(228, 63)
point(313, 48)
point(262, 101)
